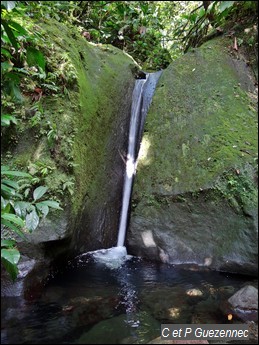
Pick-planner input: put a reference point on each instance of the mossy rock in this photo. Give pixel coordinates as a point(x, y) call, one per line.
point(195, 192)
point(89, 121)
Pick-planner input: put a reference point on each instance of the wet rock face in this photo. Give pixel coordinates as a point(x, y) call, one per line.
point(98, 221)
point(195, 194)
point(30, 281)
point(197, 231)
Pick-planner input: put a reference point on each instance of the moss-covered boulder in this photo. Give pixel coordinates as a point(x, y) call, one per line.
point(105, 79)
point(195, 192)
point(73, 138)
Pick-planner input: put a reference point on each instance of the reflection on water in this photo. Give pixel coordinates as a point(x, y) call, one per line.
point(90, 303)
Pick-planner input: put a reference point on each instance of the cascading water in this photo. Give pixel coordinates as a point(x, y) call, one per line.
point(141, 99)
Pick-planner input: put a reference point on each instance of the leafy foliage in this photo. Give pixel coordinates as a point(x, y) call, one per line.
point(237, 186)
point(19, 212)
point(209, 19)
point(134, 26)
point(19, 215)
point(153, 32)
point(10, 257)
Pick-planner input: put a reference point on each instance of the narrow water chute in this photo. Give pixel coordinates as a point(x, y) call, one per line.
point(141, 100)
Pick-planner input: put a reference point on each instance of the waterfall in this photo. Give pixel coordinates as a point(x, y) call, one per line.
point(142, 95)
point(141, 99)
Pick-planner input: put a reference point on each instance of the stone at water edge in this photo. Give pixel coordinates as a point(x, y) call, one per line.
point(245, 298)
point(243, 304)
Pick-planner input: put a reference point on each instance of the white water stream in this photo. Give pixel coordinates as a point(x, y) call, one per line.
point(141, 99)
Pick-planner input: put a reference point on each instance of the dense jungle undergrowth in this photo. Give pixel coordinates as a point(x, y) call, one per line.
point(154, 33)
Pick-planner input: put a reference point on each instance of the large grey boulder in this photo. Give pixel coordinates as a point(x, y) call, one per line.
point(195, 194)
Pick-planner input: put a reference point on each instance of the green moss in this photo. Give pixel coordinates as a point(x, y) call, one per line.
point(238, 187)
point(77, 117)
point(200, 124)
point(102, 75)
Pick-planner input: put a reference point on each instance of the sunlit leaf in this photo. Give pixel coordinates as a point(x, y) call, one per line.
point(3, 203)
point(32, 220)
point(44, 209)
point(13, 218)
point(53, 204)
point(9, 5)
point(6, 120)
point(39, 192)
point(224, 5)
point(21, 208)
point(12, 255)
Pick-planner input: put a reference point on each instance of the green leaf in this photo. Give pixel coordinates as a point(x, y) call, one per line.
point(7, 208)
point(11, 86)
point(6, 53)
point(6, 66)
point(10, 258)
point(21, 208)
point(35, 58)
point(212, 6)
point(32, 220)
point(39, 192)
point(18, 28)
point(224, 5)
point(9, 5)
point(10, 34)
point(3, 202)
point(6, 120)
point(12, 227)
point(201, 12)
point(13, 218)
point(53, 204)
point(7, 243)
point(7, 190)
point(10, 268)
point(12, 255)
point(14, 173)
point(13, 77)
point(44, 209)
point(10, 183)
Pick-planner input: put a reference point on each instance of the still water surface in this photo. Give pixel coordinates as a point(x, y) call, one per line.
point(90, 303)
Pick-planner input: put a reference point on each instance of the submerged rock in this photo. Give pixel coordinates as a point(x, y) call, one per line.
point(88, 311)
point(133, 328)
